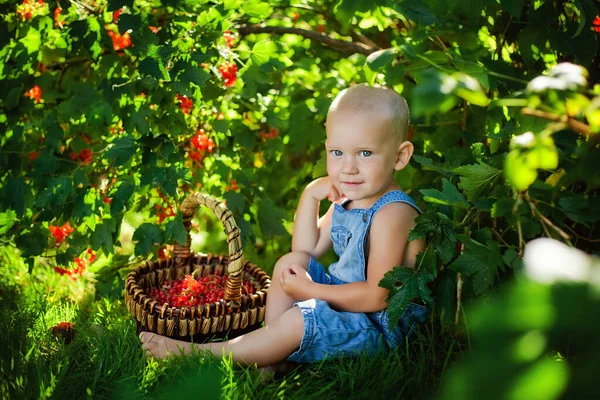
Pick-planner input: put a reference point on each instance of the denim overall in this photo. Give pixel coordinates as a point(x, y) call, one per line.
point(329, 333)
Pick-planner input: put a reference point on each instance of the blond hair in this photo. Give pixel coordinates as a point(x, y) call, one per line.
point(380, 101)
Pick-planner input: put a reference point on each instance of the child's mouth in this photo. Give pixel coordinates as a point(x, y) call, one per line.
point(351, 184)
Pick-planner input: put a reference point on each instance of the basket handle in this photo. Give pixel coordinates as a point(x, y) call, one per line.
point(233, 288)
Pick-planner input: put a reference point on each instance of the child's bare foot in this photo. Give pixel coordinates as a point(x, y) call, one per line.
point(275, 371)
point(159, 346)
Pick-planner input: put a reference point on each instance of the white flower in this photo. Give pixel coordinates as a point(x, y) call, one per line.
point(526, 139)
point(548, 260)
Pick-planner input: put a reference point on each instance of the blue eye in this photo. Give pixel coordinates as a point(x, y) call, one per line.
point(366, 153)
point(336, 153)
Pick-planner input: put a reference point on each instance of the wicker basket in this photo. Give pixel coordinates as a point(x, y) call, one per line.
point(238, 313)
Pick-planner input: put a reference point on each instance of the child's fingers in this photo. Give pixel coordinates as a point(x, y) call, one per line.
point(334, 195)
point(294, 268)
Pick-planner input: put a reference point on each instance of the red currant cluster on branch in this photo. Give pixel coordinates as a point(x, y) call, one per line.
point(164, 209)
point(82, 263)
point(201, 145)
point(60, 233)
point(228, 72)
point(28, 9)
point(35, 93)
point(185, 104)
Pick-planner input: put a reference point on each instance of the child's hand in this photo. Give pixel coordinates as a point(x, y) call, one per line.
point(296, 282)
point(322, 188)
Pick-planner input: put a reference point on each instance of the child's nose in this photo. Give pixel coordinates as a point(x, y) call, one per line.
point(349, 165)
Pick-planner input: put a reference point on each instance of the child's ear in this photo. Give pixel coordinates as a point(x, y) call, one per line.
point(403, 155)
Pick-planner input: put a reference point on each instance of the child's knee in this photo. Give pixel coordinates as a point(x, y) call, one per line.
point(294, 257)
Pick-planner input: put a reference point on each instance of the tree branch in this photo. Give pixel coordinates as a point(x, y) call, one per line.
point(68, 63)
point(459, 286)
point(574, 124)
point(342, 45)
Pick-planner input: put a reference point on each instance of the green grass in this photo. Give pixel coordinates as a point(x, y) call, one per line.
point(105, 360)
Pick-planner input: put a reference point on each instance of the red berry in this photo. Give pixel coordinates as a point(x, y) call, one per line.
point(60, 233)
point(35, 93)
point(229, 72)
point(202, 142)
point(116, 15)
point(229, 37)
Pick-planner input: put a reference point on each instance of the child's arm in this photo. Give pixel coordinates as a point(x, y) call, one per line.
point(311, 233)
point(388, 242)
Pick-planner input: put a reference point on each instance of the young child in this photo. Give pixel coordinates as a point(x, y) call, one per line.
point(311, 314)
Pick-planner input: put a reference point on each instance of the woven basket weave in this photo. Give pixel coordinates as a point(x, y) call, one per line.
point(236, 314)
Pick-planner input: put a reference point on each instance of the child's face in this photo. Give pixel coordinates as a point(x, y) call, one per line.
point(361, 156)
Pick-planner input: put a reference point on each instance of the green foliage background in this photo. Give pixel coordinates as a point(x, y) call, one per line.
point(506, 136)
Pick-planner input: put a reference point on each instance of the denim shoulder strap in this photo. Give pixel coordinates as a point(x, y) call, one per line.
point(394, 196)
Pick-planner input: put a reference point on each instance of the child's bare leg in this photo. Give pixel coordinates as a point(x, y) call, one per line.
point(278, 301)
point(268, 345)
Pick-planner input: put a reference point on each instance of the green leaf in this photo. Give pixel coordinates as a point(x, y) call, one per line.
point(476, 179)
point(129, 22)
point(54, 133)
point(256, 8)
point(175, 230)
point(32, 40)
point(581, 208)
point(416, 11)
point(345, 9)
point(517, 171)
point(511, 258)
point(514, 7)
point(404, 284)
point(14, 193)
point(165, 52)
point(426, 261)
point(32, 243)
point(439, 230)
point(84, 201)
point(146, 235)
point(121, 197)
point(191, 74)
point(445, 296)
point(7, 220)
point(235, 202)
point(262, 52)
point(428, 165)
point(270, 219)
point(11, 99)
point(503, 207)
point(468, 88)
point(80, 179)
point(528, 153)
point(138, 119)
point(155, 68)
point(121, 150)
point(114, 5)
point(473, 70)
point(165, 178)
point(433, 93)
point(449, 196)
point(56, 193)
point(320, 168)
point(380, 58)
point(102, 236)
point(481, 262)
